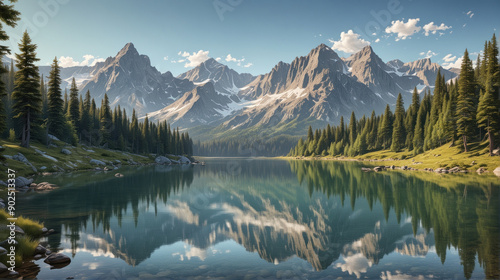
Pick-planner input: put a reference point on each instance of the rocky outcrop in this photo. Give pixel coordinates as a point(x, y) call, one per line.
point(97, 162)
point(184, 160)
point(162, 160)
point(57, 258)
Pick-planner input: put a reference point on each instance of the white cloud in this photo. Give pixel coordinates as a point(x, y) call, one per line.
point(165, 58)
point(450, 63)
point(195, 59)
point(465, 24)
point(432, 28)
point(404, 30)
point(88, 60)
point(248, 65)
point(470, 14)
point(378, 40)
point(230, 58)
point(449, 58)
point(428, 54)
point(218, 59)
point(349, 42)
point(355, 264)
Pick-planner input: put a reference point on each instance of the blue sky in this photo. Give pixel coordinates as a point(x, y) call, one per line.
point(253, 35)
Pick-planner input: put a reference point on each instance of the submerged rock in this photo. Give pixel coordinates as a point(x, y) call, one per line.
point(57, 258)
point(118, 175)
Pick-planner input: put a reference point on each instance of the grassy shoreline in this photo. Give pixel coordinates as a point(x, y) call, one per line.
point(51, 159)
point(442, 157)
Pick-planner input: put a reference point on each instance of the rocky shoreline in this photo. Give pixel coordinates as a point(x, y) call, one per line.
point(379, 168)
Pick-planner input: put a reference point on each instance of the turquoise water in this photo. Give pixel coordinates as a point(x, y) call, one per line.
point(269, 219)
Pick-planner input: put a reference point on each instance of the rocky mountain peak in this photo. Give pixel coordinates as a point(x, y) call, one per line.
point(127, 50)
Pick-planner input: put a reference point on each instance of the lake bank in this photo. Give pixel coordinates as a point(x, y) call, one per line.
point(442, 158)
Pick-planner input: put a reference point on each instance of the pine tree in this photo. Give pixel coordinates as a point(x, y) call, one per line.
point(466, 103)
point(411, 119)
point(145, 136)
point(55, 115)
point(398, 132)
point(73, 106)
point(488, 109)
point(10, 17)
point(105, 121)
point(385, 131)
point(26, 95)
point(352, 129)
point(85, 119)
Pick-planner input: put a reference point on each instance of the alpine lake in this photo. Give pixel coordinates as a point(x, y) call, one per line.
point(254, 218)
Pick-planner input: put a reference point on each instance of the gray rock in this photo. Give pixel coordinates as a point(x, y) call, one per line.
point(117, 161)
point(3, 268)
point(66, 151)
point(40, 152)
point(378, 168)
point(37, 257)
point(20, 157)
point(162, 160)
point(40, 250)
point(455, 169)
point(7, 156)
point(497, 171)
point(22, 182)
point(184, 160)
point(52, 137)
point(57, 259)
point(19, 230)
point(118, 175)
point(44, 230)
point(97, 162)
point(43, 167)
point(496, 152)
point(5, 244)
point(480, 170)
point(52, 145)
point(366, 169)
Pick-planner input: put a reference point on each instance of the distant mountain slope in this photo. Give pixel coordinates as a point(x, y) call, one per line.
point(131, 82)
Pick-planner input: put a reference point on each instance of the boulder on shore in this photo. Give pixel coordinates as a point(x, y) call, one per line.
point(22, 182)
point(97, 162)
point(378, 168)
point(66, 151)
point(184, 160)
point(162, 160)
point(57, 258)
point(497, 171)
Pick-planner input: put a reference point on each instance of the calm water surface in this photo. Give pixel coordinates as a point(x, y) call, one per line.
point(270, 219)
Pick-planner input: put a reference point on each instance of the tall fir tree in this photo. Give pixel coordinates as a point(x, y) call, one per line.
point(488, 115)
point(398, 132)
point(9, 16)
point(106, 122)
point(352, 129)
point(466, 103)
point(55, 103)
point(385, 131)
point(26, 96)
point(73, 105)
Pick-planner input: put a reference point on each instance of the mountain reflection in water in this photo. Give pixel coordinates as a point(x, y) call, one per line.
point(330, 214)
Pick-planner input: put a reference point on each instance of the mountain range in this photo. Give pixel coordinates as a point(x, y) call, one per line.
point(314, 89)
